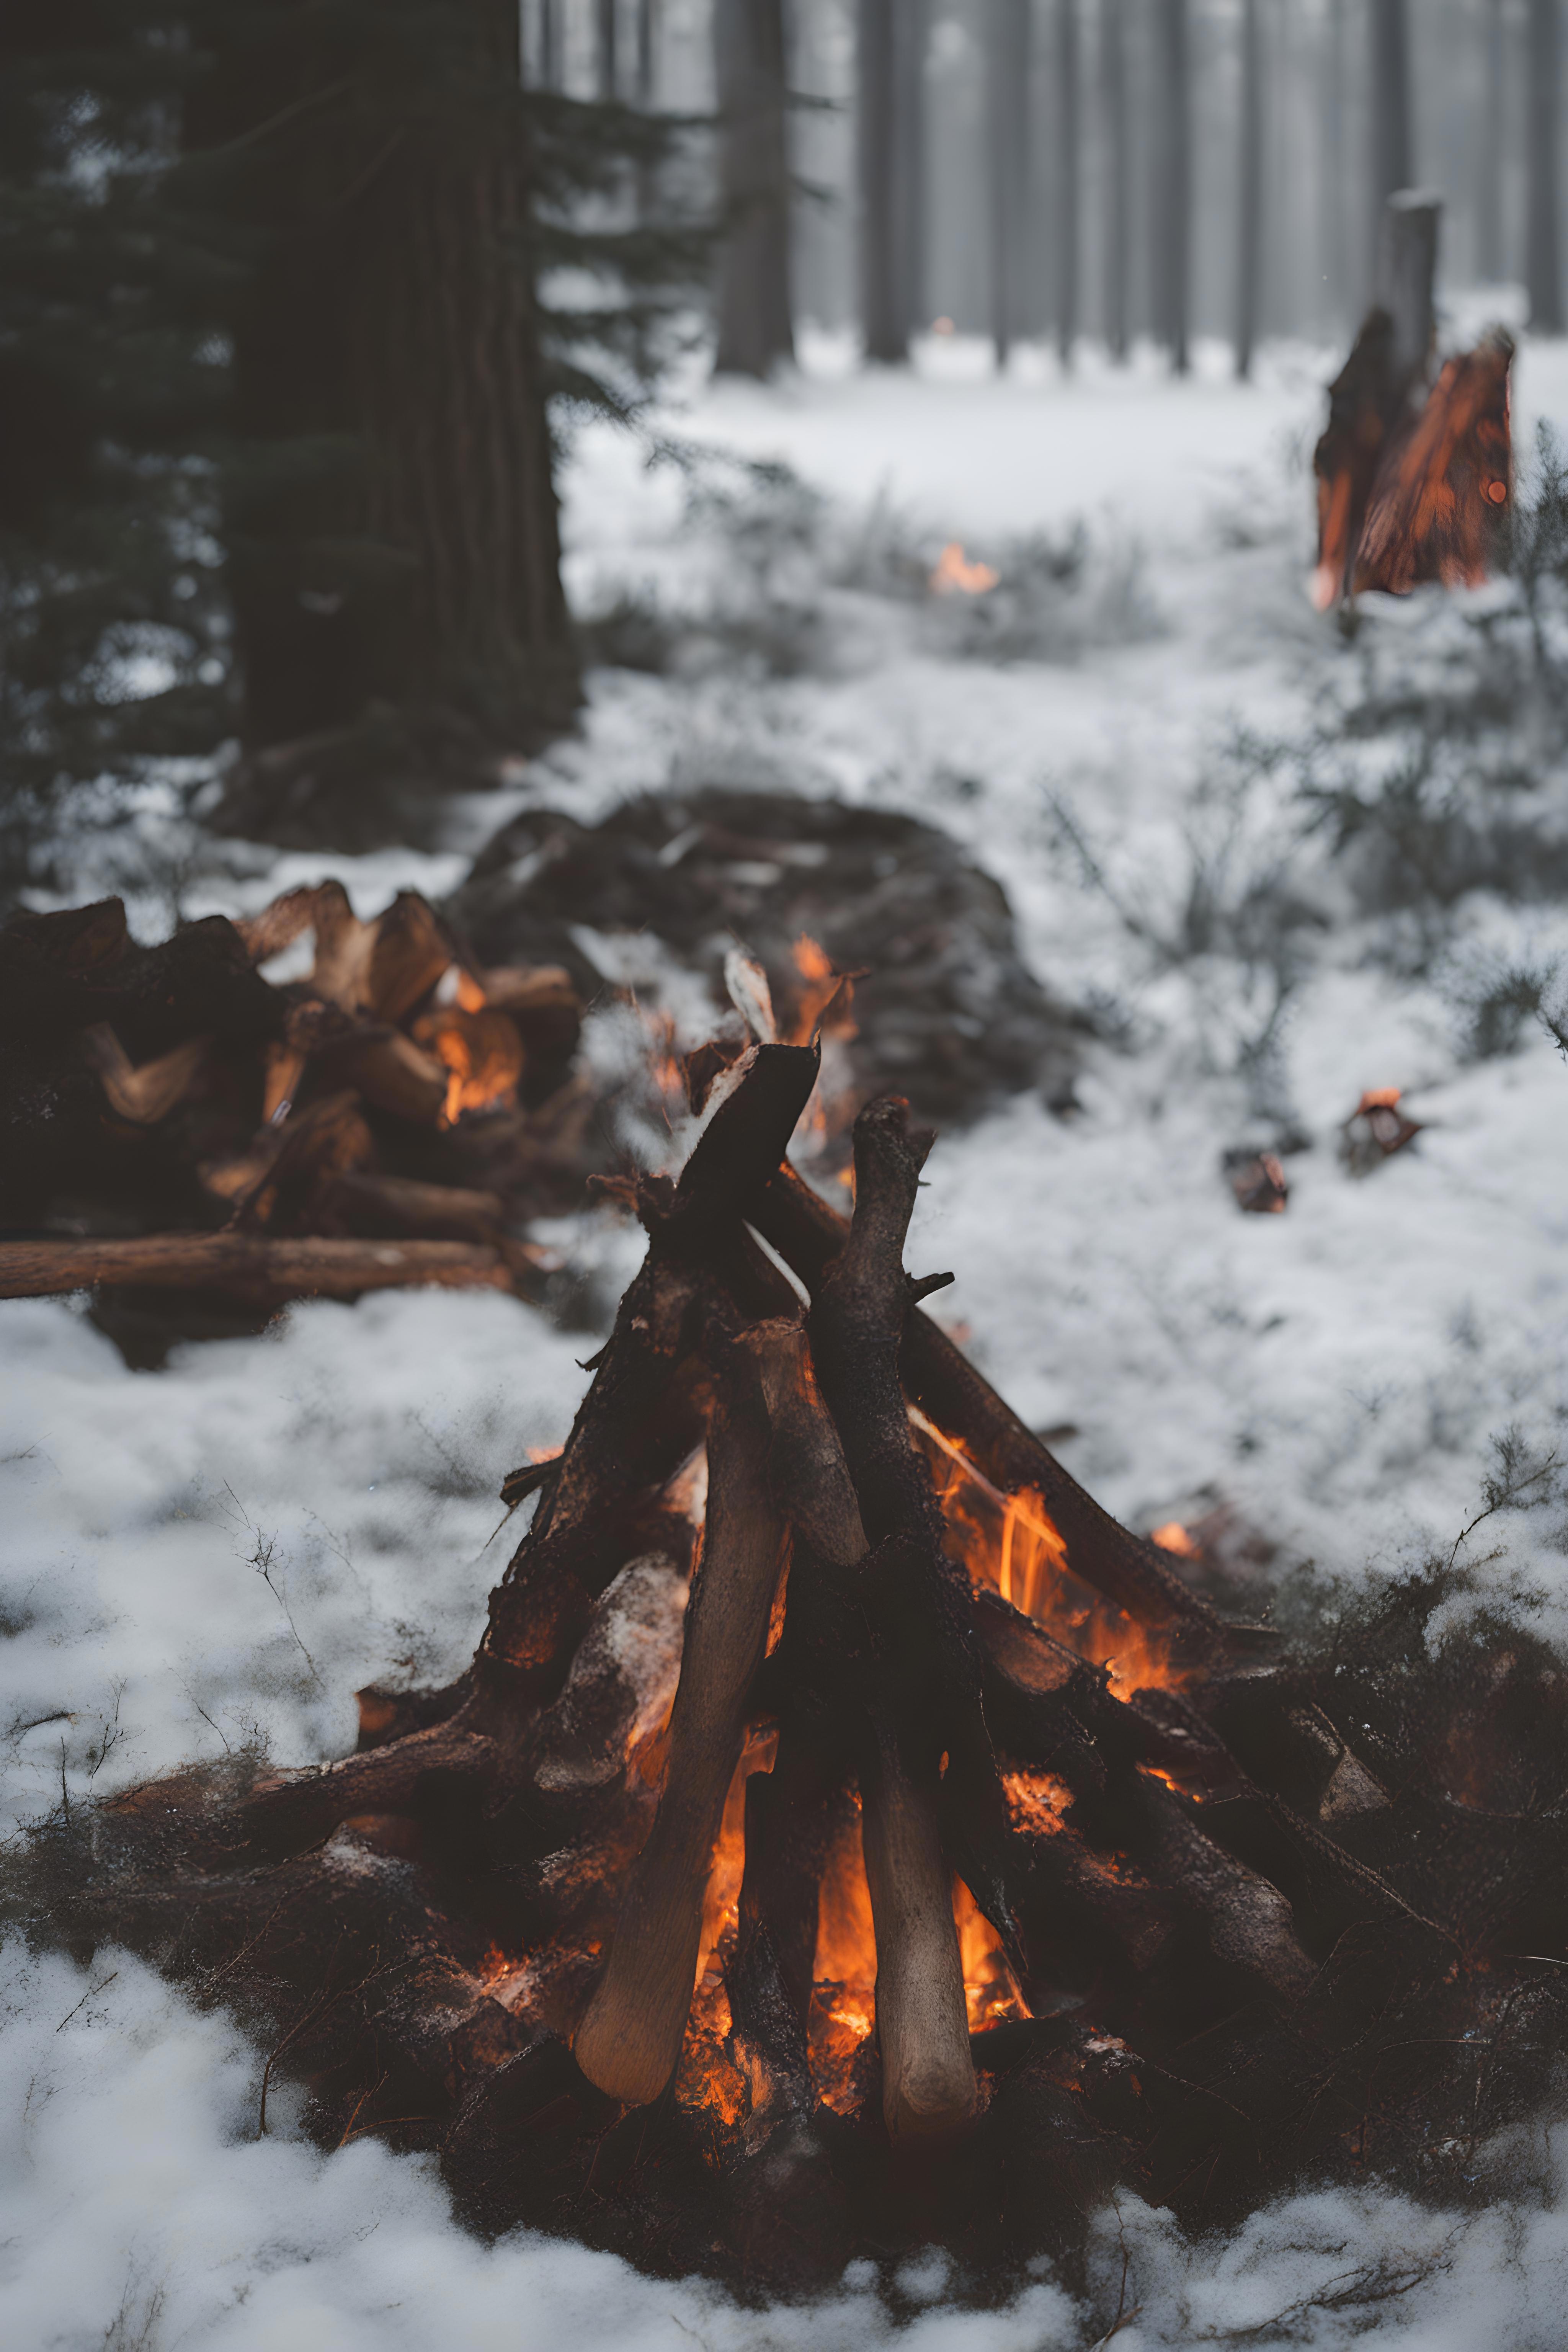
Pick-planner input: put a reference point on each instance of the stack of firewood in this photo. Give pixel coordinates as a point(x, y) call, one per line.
point(172, 1119)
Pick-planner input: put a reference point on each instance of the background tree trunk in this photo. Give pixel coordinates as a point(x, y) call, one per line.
point(1489, 194)
point(1171, 229)
point(393, 540)
point(1407, 278)
point(1008, 67)
point(1118, 162)
point(648, 53)
point(607, 12)
point(754, 316)
point(1066, 177)
point(1543, 269)
point(1332, 237)
point(1393, 160)
point(550, 43)
point(883, 315)
point(1249, 190)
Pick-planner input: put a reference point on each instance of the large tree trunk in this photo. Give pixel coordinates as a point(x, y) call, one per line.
point(394, 533)
point(890, 89)
point(1067, 152)
point(1171, 229)
point(1543, 269)
point(1393, 163)
point(755, 317)
point(1249, 191)
point(1118, 163)
point(1007, 84)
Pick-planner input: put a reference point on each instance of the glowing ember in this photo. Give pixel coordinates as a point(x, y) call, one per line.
point(954, 575)
point(1173, 1537)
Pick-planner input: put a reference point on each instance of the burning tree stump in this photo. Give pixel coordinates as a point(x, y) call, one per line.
point(955, 1860)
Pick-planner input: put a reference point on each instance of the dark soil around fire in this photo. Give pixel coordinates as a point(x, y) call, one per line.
point(1428, 2031)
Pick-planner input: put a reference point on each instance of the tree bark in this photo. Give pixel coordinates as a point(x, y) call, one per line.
point(1068, 166)
point(1008, 67)
point(1171, 237)
point(1117, 158)
point(1544, 267)
point(889, 83)
point(394, 537)
point(1249, 190)
point(754, 315)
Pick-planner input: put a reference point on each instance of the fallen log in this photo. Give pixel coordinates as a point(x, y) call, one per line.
point(248, 1263)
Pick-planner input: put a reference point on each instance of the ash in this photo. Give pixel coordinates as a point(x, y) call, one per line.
point(210, 1561)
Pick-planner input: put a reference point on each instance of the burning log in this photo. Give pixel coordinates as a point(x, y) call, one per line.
point(629, 2041)
point(1375, 1130)
point(1271, 1895)
point(1412, 483)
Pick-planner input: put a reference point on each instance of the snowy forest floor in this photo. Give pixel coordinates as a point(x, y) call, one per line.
point(1142, 733)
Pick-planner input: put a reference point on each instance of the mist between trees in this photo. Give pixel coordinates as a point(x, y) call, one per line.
point(1117, 168)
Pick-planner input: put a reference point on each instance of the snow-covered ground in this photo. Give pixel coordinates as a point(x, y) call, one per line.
point(224, 1552)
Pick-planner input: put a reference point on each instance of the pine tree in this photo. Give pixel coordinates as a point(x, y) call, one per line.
point(111, 393)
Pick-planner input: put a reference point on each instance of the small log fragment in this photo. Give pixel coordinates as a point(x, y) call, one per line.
point(278, 924)
point(144, 1096)
point(630, 2040)
point(247, 1261)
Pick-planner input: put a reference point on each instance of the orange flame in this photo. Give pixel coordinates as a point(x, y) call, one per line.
point(954, 575)
point(481, 1052)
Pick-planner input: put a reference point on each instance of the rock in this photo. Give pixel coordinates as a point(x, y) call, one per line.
point(948, 1012)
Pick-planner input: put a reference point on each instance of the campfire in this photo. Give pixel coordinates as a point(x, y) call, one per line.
point(846, 1835)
